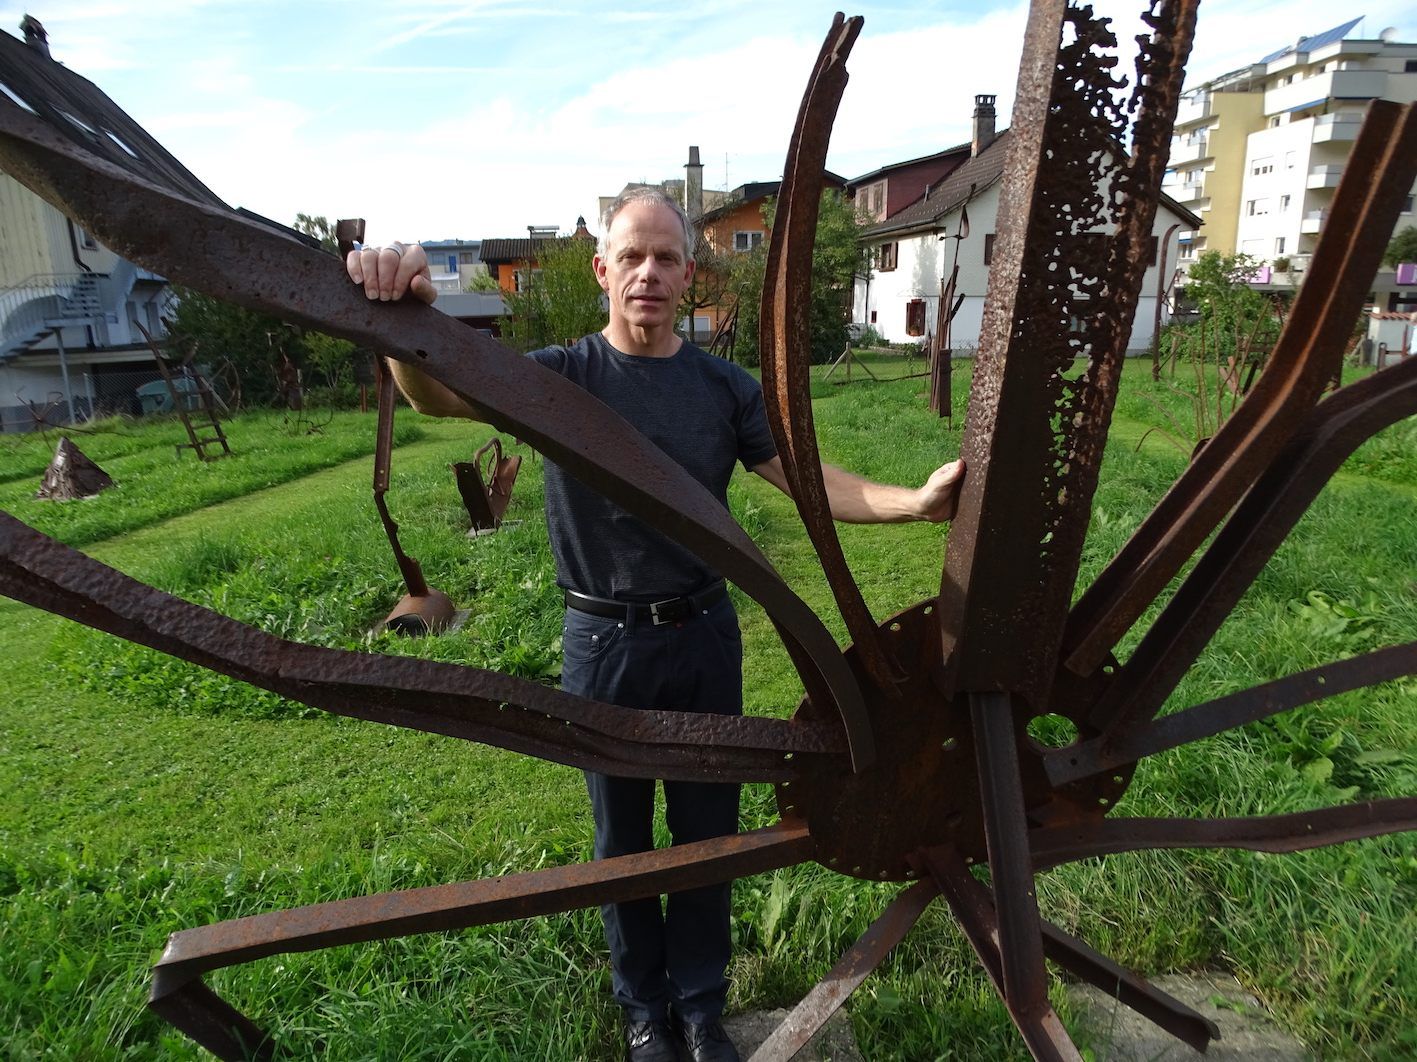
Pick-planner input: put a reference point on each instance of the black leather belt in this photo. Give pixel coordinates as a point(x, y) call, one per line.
point(670, 610)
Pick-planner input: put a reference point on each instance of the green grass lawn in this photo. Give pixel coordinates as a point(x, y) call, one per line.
point(143, 796)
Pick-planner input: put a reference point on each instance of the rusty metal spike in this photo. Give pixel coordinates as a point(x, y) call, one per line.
point(785, 339)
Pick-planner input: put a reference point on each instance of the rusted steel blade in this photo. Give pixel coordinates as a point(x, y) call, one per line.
point(1377, 177)
point(826, 998)
point(1068, 266)
point(441, 698)
point(785, 339)
point(1225, 713)
point(217, 1026)
point(1240, 551)
point(1078, 959)
point(409, 568)
point(1297, 832)
point(1042, 1031)
point(232, 258)
point(1006, 834)
point(1161, 1008)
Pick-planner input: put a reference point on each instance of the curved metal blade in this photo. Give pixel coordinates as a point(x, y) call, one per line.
point(817, 1007)
point(1296, 832)
point(179, 995)
point(450, 699)
point(232, 258)
point(1240, 551)
point(785, 333)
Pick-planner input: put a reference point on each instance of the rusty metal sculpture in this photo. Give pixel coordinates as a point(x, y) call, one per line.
point(908, 759)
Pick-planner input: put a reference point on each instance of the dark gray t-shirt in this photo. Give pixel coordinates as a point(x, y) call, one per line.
point(704, 412)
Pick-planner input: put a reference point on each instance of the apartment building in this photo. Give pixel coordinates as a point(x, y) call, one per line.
point(1258, 153)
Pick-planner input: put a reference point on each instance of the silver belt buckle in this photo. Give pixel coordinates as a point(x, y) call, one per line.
point(654, 611)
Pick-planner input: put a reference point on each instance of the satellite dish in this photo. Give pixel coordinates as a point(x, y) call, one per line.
point(1388, 35)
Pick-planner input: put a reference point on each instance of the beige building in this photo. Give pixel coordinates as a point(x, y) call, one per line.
point(1260, 151)
point(1212, 126)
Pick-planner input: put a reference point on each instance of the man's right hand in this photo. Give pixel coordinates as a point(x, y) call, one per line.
point(388, 273)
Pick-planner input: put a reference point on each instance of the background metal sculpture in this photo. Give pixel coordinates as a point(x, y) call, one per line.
point(908, 760)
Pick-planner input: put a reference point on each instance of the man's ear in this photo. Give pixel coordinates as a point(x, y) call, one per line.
point(598, 264)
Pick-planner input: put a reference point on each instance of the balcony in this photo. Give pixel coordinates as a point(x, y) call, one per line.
point(1191, 150)
point(1186, 193)
point(1336, 127)
point(1326, 176)
point(1336, 84)
point(1313, 221)
point(1194, 109)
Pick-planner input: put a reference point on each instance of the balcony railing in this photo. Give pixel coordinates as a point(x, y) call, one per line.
point(1325, 176)
point(1339, 127)
point(1336, 84)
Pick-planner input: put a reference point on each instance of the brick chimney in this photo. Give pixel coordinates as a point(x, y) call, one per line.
point(984, 132)
point(694, 186)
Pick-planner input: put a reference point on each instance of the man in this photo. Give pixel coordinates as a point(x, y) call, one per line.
point(648, 624)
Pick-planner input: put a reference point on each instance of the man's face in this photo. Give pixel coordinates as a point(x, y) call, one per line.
point(644, 270)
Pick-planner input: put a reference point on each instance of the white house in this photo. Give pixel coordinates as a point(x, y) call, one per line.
point(69, 307)
point(911, 251)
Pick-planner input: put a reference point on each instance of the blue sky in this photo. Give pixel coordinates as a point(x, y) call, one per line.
point(448, 118)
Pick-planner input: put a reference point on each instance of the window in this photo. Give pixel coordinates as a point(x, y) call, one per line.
point(467, 257)
point(915, 317)
point(1410, 67)
point(452, 263)
point(1279, 245)
point(1274, 122)
point(1153, 248)
point(1256, 207)
point(873, 316)
point(1283, 204)
point(86, 241)
point(878, 194)
point(1262, 166)
point(989, 248)
point(1407, 205)
point(1290, 159)
point(887, 255)
point(746, 241)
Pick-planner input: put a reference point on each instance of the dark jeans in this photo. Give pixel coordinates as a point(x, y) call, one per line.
point(677, 955)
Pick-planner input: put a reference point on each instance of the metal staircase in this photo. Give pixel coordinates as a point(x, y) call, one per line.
point(40, 303)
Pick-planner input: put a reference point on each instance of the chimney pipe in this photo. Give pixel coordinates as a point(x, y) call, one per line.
point(983, 124)
point(694, 186)
point(35, 35)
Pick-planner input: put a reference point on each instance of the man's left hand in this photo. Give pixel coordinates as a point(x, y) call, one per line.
point(939, 497)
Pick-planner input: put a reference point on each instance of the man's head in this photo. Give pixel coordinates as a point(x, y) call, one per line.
point(653, 197)
point(644, 264)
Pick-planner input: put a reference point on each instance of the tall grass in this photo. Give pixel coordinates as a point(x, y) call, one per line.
point(144, 796)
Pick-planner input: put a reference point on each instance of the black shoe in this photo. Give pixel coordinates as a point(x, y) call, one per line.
point(707, 1042)
point(650, 1041)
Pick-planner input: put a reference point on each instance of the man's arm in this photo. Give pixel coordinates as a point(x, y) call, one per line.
point(387, 274)
point(856, 500)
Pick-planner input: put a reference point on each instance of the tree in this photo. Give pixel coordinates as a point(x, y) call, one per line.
point(319, 227)
point(483, 281)
point(221, 331)
point(1403, 247)
point(1235, 316)
point(560, 301)
point(837, 257)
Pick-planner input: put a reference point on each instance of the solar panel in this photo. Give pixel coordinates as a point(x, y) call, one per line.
point(1308, 44)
